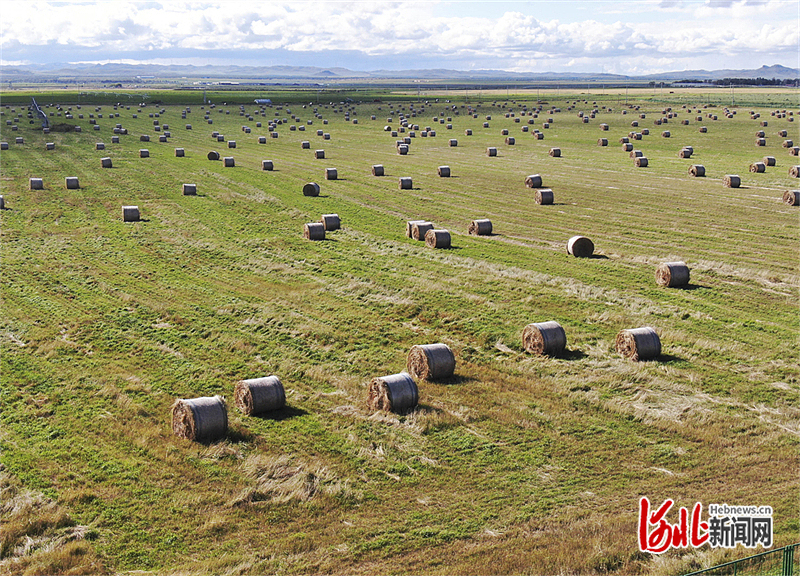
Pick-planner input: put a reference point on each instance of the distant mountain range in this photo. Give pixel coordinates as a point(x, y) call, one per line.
point(127, 72)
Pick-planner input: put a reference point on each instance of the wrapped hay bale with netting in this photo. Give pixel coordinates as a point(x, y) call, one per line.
point(190, 189)
point(259, 395)
point(627, 147)
point(431, 362)
point(685, 153)
point(638, 343)
point(37, 183)
point(106, 162)
point(453, 143)
point(602, 142)
point(703, 130)
point(731, 181)
point(180, 153)
point(510, 141)
point(72, 182)
point(314, 231)
point(377, 170)
point(672, 274)
point(783, 133)
point(443, 171)
point(437, 238)
point(393, 393)
point(636, 154)
point(791, 197)
point(769, 160)
point(200, 419)
point(640, 162)
point(787, 144)
point(331, 174)
point(580, 247)
point(319, 154)
point(213, 155)
point(794, 151)
point(144, 153)
point(331, 222)
point(311, 189)
point(482, 227)
point(758, 167)
point(555, 152)
point(544, 338)
point(794, 171)
point(130, 213)
point(533, 181)
point(761, 141)
point(491, 151)
point(405, 183)
point(267, 165)
point(228, 162)
point(697, 170)
point(544, 196)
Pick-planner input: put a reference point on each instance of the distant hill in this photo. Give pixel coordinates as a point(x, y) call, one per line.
point(278, 73)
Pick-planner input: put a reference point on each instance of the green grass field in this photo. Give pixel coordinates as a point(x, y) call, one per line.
point(518, 464)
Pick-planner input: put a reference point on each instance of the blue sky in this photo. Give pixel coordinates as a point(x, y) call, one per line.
point(624, 37)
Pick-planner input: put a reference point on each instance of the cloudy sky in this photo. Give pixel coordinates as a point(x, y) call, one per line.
point(623, 36)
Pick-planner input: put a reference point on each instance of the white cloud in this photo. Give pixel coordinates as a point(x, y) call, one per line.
point(667, 32)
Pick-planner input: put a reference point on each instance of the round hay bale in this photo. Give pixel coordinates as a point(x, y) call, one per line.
point(106, 162)
point(543, 196)
point(410, 227)
point(758, 167)
point(228, 162)
point(47, 146)
point(685, 153)
point(2, 202)
point(405, 183)
point(533, 181)
point(267, 165)
point(71, 182)
point(319, 154)
point(144, 153)
point(468, 132)
point(314, 231)
point(331, 174)
point(638, 343)
point(491, 151)
point(331, 222)
point(624, 140)
point(99, 146)
point(377, 170)
point(697, 170)
point(791, 197)
point(402, 149)
point(794, 171)
point(443, 171)
point(627, 147)
point(144, 138)
point(37, 184)
point(200, 419)
point(731, 181)
point(180, 153)
point(431, 361)
point(580, 247)
point(305, 145)
point(130, 213)
point(393, 393)
point(703, 129)
point(783, 133)
point(555, 152)
point(665, 134)
point(311, 189)
point(510, 141)
point(259, 395)
point(787, 144)
point(672, 274)
point(636, 154)
point(640, 162)
point(453, 143)
point(420, 229)
point(437, 239)
point(504, 132)
point(213, 155)
point(794, 151)
point(262, 139)
point(769, 160)
point(190, 189)
point(602, 141)
point(760, 134)
point(544, 338)
point(482, 227)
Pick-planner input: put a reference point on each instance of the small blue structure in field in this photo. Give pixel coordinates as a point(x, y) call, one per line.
point(263, 101)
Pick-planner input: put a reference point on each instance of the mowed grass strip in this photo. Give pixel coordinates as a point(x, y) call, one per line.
point(107, 322)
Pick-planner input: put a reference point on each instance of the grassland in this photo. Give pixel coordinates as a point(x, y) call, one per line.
point(519, 464)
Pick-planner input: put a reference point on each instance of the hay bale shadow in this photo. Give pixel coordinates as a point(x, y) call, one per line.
point(575, 354)
point(690, 287)
point(283, 414)
point(598, 257)
point(453, 380)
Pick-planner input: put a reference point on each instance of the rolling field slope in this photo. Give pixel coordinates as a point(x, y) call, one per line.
point(518, 464)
